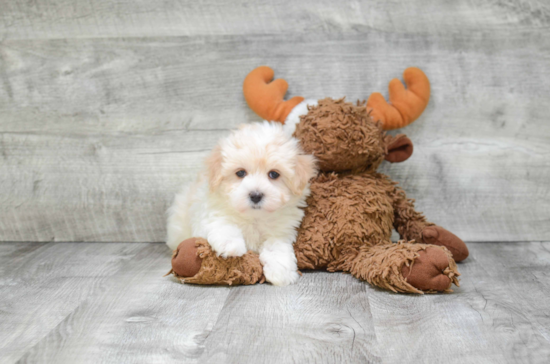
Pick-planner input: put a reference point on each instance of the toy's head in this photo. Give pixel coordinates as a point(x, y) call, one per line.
point(343, 136)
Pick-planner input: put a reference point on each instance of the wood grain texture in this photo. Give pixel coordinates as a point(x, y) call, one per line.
point(498, 315)
point(41, 284)
point(106, 108)
point(115, 307)
point(139, 317)
point(97, 135)
point(142, 18)
point(324, 319)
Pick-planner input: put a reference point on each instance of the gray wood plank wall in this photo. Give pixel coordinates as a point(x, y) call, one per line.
point(106, 107)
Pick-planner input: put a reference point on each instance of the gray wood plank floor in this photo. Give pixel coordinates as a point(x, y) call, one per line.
point(106, 107)
point(108, 303)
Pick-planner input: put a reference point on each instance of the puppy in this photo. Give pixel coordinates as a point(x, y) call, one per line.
point(249, 197)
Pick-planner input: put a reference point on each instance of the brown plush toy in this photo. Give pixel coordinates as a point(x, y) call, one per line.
point(352, 208)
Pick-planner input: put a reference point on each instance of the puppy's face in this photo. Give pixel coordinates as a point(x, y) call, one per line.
point(258, 168)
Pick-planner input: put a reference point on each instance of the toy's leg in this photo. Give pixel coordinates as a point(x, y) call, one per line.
point(311, 250)
point(412, 225)
point(194, 261)
point(405, 267)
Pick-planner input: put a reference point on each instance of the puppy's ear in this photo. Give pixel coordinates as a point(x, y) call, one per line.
point(214, 166)
point(306, 169)
point(399, 148)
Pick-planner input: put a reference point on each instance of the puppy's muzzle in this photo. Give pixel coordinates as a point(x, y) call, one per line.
point(256, 197)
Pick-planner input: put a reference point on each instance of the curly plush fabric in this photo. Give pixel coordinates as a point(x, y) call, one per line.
point(342, 136)
point(216, 270)
point(408, 222)
point(382, 266)
point(343, 213)
point(351, 212)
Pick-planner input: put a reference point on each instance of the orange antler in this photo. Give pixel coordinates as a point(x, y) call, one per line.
point(265, 98)
point(406, 105)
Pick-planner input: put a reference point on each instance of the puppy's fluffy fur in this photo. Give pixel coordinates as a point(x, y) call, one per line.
point(239, 204)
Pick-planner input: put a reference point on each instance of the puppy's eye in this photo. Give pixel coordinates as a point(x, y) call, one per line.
point(273, 175)
point(241, 173)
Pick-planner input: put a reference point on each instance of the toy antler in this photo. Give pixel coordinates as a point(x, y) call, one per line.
point(265, 98)
point(405, 105)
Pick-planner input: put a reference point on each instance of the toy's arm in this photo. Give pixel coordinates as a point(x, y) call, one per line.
point(412, 225)
point(195, 262)
point(408, 222)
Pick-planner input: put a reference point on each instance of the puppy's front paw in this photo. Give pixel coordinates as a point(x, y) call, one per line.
point(232, 247)
point(278, 275)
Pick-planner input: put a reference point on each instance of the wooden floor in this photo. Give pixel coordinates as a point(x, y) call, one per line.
point(108, 303)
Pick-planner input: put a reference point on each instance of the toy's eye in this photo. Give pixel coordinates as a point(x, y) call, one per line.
point(241, 173)
point(273, 175)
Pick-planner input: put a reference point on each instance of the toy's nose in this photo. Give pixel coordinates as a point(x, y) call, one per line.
point(256, 197)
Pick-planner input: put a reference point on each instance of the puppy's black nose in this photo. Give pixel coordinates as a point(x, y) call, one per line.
point(256, 196)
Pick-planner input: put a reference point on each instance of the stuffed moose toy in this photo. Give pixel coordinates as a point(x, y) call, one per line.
point(352, 208)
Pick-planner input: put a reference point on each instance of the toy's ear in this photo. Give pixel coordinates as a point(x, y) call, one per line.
point(400, 148)
point(214, 165)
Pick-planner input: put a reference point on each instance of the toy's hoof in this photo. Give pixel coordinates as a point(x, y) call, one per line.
point(429, 271)
point(185, 261)
point(436, 235)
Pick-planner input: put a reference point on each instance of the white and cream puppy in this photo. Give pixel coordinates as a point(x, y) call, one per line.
point(250, 196)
